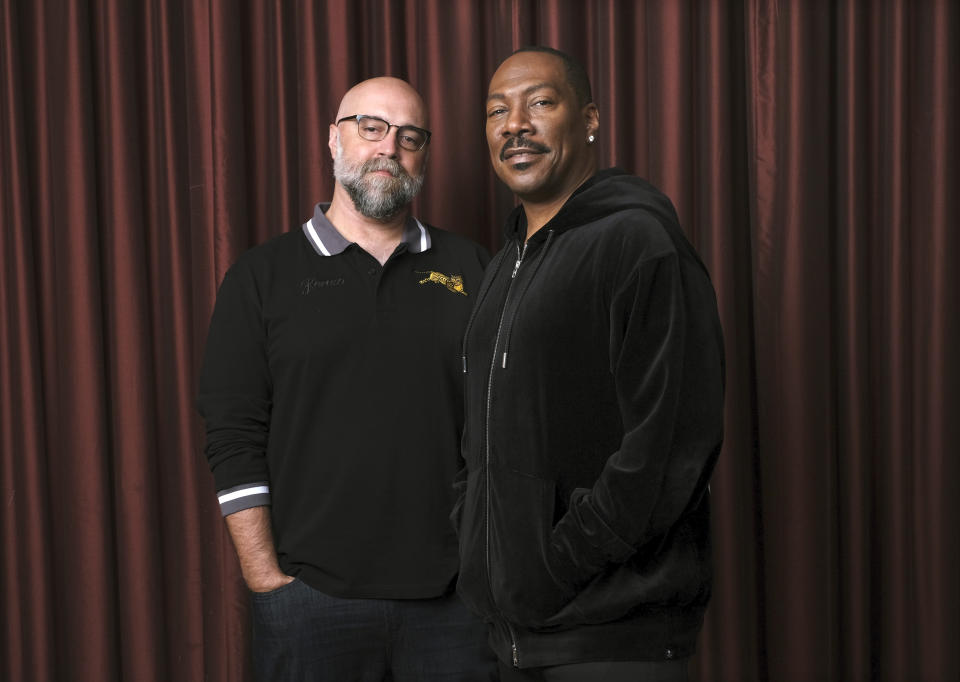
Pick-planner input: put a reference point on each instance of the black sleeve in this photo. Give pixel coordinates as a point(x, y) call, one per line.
point(668, 370)
point(235, 394)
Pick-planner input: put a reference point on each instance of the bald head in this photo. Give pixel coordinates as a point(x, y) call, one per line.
point(379, 174)
point(391, 99)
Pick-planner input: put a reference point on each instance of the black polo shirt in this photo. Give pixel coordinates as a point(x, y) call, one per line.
point(332, 390)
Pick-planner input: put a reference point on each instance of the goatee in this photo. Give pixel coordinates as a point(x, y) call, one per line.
point(376, 196)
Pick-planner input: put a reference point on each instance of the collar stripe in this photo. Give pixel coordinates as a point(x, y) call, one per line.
point(315, 238)
point(415, 234)
point(424, 239)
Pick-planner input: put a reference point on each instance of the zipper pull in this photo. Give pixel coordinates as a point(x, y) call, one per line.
point(516, 656)
point(520, 254)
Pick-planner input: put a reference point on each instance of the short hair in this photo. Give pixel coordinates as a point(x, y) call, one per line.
point(576, 75)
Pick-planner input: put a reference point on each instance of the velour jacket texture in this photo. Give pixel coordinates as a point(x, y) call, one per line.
point(594, 401)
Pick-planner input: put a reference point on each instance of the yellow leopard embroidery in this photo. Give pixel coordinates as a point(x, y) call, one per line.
point(452, 282)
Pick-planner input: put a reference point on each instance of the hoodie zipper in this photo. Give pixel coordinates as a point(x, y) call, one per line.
point(493, 366)
point(516, 266)
point(513, 276)
point(513, 646)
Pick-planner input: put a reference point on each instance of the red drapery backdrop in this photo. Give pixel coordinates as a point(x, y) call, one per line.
point(811, 149)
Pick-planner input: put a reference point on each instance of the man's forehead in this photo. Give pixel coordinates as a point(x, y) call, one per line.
point(525, 88)
point(527, 71)
point(387, 98)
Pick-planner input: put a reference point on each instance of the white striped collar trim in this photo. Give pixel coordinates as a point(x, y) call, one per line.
point(417, 240)
point(315, 238)
point(326, 240)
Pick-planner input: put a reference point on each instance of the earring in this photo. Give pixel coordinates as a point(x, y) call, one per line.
point(590, 139)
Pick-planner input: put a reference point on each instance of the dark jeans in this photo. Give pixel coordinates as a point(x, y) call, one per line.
point(302, 635)
point(600, 671)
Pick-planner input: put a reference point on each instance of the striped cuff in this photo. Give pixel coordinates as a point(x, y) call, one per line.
point(244, 496)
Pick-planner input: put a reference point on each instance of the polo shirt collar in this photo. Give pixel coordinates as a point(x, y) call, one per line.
point(327, 241)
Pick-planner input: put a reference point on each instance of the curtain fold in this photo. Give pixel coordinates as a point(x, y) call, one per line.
point(26, 618)
point(811, 149)
point(789, 165)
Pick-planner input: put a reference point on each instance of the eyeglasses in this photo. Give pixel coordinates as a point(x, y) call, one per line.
point(375, 129)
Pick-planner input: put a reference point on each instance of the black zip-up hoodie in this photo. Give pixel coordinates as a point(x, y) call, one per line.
point(594, 401)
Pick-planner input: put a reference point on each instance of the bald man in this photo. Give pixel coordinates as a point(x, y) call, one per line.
point(333, 400)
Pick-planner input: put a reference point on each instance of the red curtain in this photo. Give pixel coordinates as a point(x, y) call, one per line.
point(811, 148)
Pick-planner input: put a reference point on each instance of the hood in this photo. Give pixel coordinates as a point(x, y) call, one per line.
point(606, 192)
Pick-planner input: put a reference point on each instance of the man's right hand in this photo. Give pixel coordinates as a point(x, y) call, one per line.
point(270, 584)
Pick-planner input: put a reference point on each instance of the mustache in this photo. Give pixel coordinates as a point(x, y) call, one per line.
point(524, 143)
point(383, 163)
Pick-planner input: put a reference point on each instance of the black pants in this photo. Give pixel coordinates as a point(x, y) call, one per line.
point(600, 671)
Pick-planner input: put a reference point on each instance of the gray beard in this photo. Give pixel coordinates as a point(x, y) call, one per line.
point(376, 197)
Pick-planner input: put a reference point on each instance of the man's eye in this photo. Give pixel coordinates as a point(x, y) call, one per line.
point(542, 103)
point(495, 112)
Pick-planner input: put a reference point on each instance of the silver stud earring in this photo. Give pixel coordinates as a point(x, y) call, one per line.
point(590, 139)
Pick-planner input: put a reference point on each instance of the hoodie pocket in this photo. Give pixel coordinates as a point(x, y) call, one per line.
point(521, 522)
point(674, 573)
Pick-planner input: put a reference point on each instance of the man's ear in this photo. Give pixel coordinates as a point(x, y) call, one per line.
point(332, 142)
point(591, 118)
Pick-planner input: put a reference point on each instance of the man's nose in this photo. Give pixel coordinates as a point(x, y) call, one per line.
point(517, 123)
point(388, 145)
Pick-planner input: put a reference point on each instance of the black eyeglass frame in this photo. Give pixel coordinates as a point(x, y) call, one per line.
point(356, 117)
